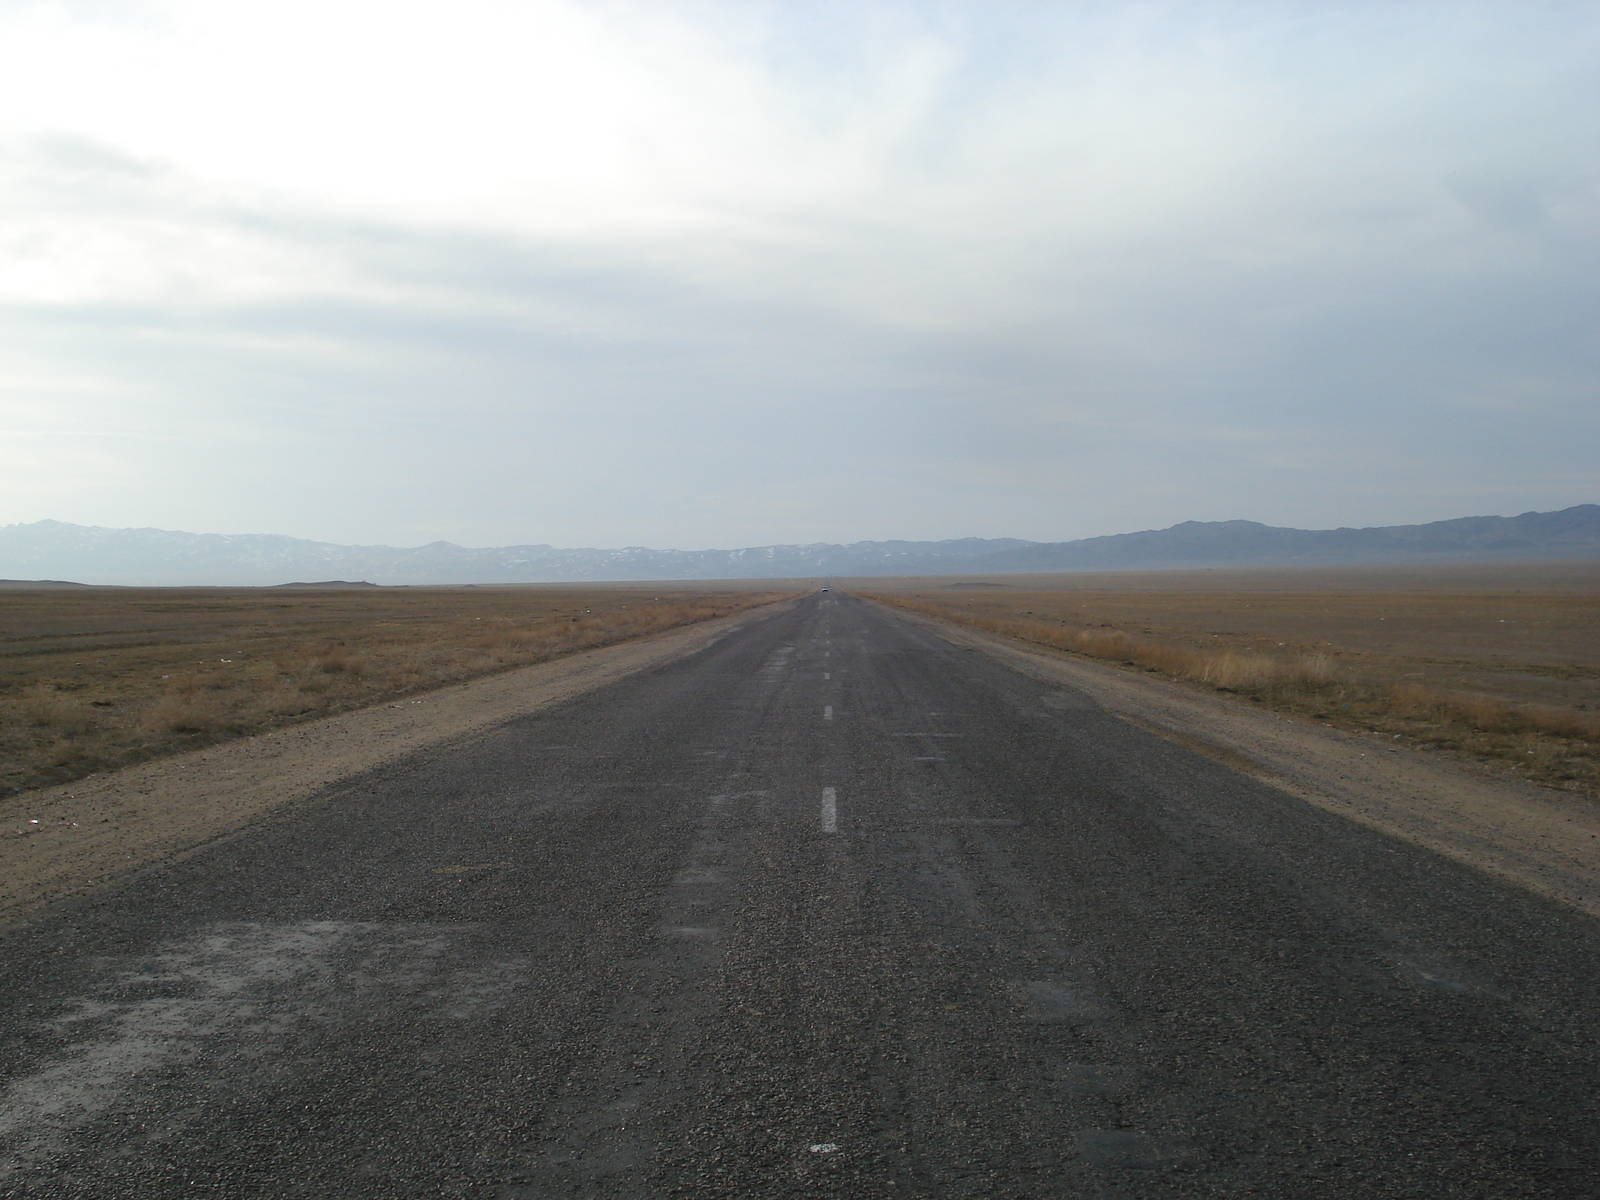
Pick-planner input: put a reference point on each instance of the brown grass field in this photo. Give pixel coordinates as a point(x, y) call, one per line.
point(97, 678)
point(1493, 663)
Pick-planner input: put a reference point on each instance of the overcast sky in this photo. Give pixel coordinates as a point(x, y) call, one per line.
point(720, 274)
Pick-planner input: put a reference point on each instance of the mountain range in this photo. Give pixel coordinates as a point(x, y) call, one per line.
point(159, 557)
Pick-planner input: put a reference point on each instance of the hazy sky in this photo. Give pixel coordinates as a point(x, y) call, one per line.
point(721, 274)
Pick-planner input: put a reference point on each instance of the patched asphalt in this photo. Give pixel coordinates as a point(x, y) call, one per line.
point(613, 950)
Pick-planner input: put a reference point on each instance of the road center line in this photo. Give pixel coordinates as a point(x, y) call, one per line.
point(827, 675)
point(830, 810)
point(827, 712)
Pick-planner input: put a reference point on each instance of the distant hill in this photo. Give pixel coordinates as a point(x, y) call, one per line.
point(165, 557)
point(335, 584)
point(1571, 533)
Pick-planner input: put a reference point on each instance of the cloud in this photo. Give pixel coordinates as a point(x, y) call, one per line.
point(704, 273)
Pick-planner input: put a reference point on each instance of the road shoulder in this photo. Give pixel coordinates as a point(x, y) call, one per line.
point(66, 840)
point(1535, 838)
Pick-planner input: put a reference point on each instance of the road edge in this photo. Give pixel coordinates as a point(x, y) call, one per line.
point(74, 838)
point(1538, 840)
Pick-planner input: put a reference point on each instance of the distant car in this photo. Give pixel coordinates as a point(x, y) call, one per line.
point(826, 588)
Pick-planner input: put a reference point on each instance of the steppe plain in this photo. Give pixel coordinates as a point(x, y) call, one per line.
point(1495, 668)
point(92, 679)
point(1495, 665)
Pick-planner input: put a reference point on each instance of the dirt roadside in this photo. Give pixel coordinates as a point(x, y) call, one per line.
point(62, 841)
point(1537, 838)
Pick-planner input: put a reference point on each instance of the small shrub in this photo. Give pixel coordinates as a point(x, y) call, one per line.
point(47, 708)
point(337, 660)
point(186, 685)
point(181, 714)
point(263, 674)
point(1562, 722)
point(1311, 671)
point(1234, 672)
point(1414, 700)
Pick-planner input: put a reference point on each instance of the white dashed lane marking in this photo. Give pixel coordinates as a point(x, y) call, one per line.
point(830, 810)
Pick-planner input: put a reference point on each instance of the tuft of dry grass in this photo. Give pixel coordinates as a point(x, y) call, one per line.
point(337, 660)
point(98, 679)
point(46, 708)
point(183, 714)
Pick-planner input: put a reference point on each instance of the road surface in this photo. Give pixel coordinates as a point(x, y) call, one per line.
point(831, 907)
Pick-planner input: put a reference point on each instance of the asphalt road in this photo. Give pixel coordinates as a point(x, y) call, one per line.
point(831, 907)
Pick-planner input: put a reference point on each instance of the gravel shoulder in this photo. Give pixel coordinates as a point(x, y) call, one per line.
point(1536, 838)
point(62, 841)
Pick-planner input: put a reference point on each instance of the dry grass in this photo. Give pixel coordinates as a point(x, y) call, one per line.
point(46, 708)
point(96, 679)
point(1491, 715)
point(1499, 665)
